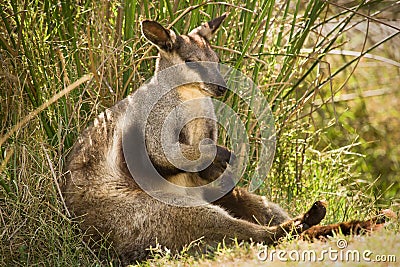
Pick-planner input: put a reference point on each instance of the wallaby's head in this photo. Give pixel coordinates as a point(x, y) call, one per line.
point(191, 48)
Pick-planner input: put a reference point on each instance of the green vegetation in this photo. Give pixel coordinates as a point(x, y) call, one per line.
point(334, 141)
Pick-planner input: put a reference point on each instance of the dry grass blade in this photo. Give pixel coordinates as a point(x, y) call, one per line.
point(364, 15)
point(45, 105)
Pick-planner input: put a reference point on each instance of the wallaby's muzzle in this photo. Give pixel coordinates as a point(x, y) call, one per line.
point(212, 81)
point(215, 90)
point(221, 90)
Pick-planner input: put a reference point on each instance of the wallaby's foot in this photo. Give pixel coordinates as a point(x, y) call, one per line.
point(349, 228)
point(316, 213)
point(302, 223)
point(313, 216)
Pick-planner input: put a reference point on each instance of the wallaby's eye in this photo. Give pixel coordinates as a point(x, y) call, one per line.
point(191, 64)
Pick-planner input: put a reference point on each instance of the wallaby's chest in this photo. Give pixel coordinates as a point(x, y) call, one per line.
point(183, 115)
point(197, 130)
point(198, 113)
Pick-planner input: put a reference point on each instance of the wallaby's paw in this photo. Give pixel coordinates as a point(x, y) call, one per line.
point(315, 214)
point(223, 156)
point(219, 165)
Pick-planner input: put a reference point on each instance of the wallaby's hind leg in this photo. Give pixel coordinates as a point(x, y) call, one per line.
point(253, 208)
point(145, 221)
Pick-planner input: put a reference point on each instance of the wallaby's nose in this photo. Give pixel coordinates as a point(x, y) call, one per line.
point(221, 90)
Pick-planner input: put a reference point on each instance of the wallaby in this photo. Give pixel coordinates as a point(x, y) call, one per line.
point(100, 190)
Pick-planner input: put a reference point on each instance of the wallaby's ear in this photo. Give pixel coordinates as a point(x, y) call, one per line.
point(207, 30)
point(154, 32)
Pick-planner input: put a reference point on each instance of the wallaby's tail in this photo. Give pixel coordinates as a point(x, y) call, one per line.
point(349, 228)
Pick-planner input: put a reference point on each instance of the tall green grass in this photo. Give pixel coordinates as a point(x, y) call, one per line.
point(45, 46)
